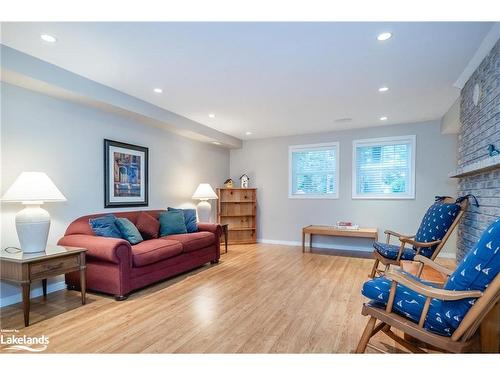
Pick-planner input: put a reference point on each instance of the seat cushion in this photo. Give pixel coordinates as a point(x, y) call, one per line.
point(435, 224)
point(391, 251)
point(408, 303)
point(152, 251)
point(193, 241)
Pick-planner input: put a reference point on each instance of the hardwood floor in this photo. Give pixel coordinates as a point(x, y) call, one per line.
point(258, 299)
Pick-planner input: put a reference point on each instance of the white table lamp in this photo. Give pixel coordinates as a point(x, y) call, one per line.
point(204, 192)
point(33, 222)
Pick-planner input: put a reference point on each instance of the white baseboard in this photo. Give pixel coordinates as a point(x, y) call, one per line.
point(16, 298)
point(337, 247)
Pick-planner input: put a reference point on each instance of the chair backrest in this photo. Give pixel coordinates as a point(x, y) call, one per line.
point(478, 270)
point(438, 223)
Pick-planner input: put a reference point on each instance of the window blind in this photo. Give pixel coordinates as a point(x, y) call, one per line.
point(314, 171)
point(384, 168)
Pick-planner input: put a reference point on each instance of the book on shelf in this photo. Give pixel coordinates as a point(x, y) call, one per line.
point(346, 225)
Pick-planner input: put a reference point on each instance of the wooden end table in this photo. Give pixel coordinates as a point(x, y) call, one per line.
point(325, 230)
point(24, 268)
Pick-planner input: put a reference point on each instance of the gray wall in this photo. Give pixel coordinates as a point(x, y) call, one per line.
point(480, 126)
point(281, 219)
point(65, 140)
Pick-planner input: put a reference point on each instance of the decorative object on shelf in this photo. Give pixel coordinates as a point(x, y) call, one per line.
point(237, 208)
point(229, 183)
point(492, 151)
point(346, 225)
point(125, 174)
point(33, 222)
point(244, 181)
point(204, 192)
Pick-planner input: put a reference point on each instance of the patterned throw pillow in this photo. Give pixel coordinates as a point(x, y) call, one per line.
point(105, 226)
point(435, 224)
point(476, 271)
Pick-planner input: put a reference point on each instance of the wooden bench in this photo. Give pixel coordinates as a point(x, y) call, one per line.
point(325, 230)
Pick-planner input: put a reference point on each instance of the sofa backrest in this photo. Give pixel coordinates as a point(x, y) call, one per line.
point(81, 225)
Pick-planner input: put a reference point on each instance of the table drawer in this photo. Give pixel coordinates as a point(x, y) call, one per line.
point(54, 265)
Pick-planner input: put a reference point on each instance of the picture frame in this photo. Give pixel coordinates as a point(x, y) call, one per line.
point(126, 180)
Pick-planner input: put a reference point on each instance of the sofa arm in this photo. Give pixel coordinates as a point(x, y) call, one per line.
point(208, 227)
point(114, 250)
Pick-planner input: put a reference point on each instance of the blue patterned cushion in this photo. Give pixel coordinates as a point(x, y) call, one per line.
point(435, 224)
point(391, 251)
point(477, 269)
point(407, 303)
point(105, 226)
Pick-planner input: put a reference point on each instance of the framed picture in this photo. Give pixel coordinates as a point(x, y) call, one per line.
point(125, 175)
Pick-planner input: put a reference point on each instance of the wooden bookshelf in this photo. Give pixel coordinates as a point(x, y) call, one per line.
point(237, 207)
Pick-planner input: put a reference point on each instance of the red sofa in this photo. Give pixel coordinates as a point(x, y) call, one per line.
point(115, 267)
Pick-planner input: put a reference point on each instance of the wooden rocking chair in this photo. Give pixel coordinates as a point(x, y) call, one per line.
point(405, 253)
point(447, 318)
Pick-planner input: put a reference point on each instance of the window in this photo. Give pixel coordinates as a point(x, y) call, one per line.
point(384, 168)
point(314, 171)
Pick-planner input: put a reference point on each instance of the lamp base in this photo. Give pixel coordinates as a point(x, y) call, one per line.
point(32, 226)
point(204, 210)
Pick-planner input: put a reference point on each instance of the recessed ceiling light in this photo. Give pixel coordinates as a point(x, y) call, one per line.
point(383, 118)
point(383, 89)
point(211, 115)
point(384, 36)
point(216, 143)
point(158, 91)
point(48, 38)
point(248, 133)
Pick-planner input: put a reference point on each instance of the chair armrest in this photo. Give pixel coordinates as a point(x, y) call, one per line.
point(429, 291)
point(396, 234)
point(426, 261)
point(417, 243)
point(209, 227)
point(114, 250)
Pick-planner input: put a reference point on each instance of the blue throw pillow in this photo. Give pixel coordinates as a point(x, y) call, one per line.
point(189, 218)
point(172, 222)
point(128, 230)
point(105, 226)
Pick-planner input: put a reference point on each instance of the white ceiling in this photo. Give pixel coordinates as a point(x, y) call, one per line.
point(271, 79)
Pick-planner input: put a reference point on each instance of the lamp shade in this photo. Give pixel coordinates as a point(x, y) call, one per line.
point(204, 191)
point(33, 187)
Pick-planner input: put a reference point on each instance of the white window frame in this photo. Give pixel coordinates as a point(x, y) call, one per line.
point(313, 146)
point(378, 142)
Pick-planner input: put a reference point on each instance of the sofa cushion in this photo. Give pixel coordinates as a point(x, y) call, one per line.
point(189, 218)
point(147, 225)
point(193, 241)
point(155, 250)
point(172, 222)
point(390, 251)
point(128, 230)
point(105, 226)
point(435, 224)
